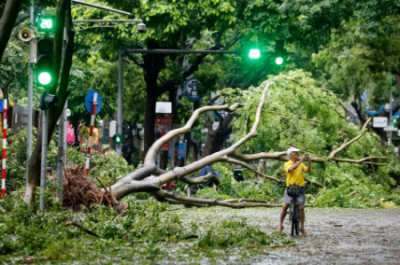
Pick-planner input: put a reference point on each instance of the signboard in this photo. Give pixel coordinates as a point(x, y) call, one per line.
point(112, 128)
point(163, 125)
point(380, 122)
point(191, 90)
point(89, 101)
point(164, 107)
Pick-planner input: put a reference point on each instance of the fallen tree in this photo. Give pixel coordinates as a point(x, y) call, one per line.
point(150, 178)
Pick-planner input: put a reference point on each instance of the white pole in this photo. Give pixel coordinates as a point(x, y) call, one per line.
point(43, 161)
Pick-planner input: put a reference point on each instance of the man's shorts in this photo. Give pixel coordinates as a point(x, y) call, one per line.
point(300, 200)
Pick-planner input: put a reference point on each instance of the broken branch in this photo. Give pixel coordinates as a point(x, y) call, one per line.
point(348, 143)
point(201, 202)
point(249, 167)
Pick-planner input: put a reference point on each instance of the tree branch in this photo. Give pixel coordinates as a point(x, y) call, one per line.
point(201, 202)
point(314, 158)
point(249, 167)
point(348, 143)
point(151, 155)
point(118, 188)
point(198, 180)
point(179, 172)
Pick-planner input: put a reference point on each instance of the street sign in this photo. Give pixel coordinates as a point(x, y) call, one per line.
point(113, 128)
point(89, 101)
point(191, 89)
point(164, 107)
point(380, 122)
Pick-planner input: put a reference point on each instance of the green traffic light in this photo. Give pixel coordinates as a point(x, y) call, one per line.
point(46, 24)
point(279, 60)
point(44, 79)
point(118, 139)
point(254, 54)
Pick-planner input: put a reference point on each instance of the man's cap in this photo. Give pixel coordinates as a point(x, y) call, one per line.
point(291, 150)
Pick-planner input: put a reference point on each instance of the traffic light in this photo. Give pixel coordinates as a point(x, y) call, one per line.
point(254, 54)
point(46, 23)
point(117, 139)
point(279, 60)
point(44, 73)
point(45, 77)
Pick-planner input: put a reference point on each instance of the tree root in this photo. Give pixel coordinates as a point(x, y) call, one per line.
point(81, 191)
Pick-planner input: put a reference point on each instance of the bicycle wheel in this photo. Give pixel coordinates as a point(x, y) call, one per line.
point(295, 220)
point(292, 219)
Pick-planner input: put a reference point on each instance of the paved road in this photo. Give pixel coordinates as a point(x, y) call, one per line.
point(335, 236)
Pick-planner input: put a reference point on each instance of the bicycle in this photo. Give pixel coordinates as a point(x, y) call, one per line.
point(294, 213)
point(294, 210)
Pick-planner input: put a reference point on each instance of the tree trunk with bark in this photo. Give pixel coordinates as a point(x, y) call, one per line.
point(7, 22)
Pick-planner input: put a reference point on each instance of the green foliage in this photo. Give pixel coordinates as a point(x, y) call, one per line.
point(357, 194)
point(250, 188)
point(105, 168)
point(362, 56)
point(236, 234)
point(147, 233)
point(299, 112)
point(17, 157)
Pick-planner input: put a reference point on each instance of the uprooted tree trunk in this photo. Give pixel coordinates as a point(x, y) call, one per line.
point(63, 52)
point(150, 178)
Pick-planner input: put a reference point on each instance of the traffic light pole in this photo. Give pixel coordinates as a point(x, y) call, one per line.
point(43, 161)
point(32, 60)
point(119, 98)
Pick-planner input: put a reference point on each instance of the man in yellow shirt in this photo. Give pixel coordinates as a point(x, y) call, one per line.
point(294, 170)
